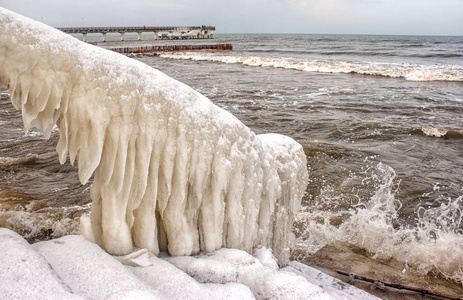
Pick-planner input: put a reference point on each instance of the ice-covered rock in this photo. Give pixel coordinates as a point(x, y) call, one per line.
point(87, 269)
point(174, 283)
point(25, 274)
point(72, 267)
point(171, 170)
point(264, 280)
point(330, 285)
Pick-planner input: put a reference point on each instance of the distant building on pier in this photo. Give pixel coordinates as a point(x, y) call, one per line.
point(160, 32)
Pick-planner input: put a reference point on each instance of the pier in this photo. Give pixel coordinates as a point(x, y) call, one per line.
point(171, 48)
point(160, 32)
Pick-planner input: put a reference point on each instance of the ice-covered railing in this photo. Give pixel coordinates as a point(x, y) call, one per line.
point(171, 170)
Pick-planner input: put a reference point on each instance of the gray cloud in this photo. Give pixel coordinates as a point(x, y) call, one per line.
point(259, 16)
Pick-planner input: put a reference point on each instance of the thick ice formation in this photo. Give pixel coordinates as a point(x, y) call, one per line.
point(171, 170)
point(71, 267)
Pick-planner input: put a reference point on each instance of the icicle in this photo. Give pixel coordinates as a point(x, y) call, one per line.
point(170, 169)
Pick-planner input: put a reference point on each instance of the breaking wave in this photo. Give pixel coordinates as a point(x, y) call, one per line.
point(43, 223)
point(407, 71)
point(433, 246)
point(10, 161)
point(439, 133)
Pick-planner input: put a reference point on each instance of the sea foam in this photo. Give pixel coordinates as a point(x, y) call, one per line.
point(407, 71)
point(433, 246)
point(440, 133)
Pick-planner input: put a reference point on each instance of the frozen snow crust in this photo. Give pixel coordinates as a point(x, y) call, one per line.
point(72, 267)
point(171, 170)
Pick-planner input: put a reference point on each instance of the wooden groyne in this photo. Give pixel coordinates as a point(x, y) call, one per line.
point(171, 48)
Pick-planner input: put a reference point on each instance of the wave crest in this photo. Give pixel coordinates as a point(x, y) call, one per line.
point(440, 133)
point(434, 245)
point(407, 71)
point(10, 161)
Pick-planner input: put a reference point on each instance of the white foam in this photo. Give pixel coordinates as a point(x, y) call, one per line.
point(435, 245)
point(32, 224)
point(406, 71)
point(10, 161)
point(431, 131)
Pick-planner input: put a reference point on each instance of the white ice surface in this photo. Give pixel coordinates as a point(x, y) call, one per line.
point(171, 171)
point(87, 269)
point(176, 284)
point(265, 281)
point(24, 273)
point(333, 286)
point(72, 267)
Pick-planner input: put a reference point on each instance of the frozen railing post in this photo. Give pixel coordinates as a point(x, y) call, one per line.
point(171, 170)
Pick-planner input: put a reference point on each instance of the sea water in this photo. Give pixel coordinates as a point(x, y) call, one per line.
point(380, 119)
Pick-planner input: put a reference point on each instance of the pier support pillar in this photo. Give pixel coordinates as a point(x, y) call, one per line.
point(104, 36)
point(139, 36)
point(84, 36)
point(122, 36)
point(155, 35)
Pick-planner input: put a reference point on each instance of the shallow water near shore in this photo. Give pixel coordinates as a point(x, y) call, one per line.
point(380, 119)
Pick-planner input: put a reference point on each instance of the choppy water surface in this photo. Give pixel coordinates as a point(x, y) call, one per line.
point(380, 118)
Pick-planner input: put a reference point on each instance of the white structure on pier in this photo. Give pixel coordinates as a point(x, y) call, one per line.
point(163, 32)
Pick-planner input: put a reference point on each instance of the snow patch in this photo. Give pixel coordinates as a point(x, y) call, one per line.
point(72, 267)
point(24, 273)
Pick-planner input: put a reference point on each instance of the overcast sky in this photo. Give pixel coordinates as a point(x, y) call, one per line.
point(422, 17)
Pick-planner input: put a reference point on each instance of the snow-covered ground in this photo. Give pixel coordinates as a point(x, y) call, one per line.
point(72, 267)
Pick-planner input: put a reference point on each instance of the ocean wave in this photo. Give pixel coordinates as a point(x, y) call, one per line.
point(433, 246)
point(36, 224)
point(445, 55)
point(10, 161)
point(439, 133)
point(407, 71)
